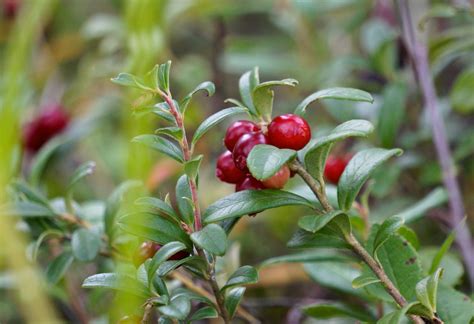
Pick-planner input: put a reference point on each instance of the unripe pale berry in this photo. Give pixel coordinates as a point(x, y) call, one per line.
point(289, 131)
point(278, 180)
point(227, 171)
point(236, 130)
point(249, 183)
point(243, 147)
point(334, 167)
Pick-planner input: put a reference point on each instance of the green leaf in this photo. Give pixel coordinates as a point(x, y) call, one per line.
point(335, 275)
point(307, 257)
point(444, 248)
point(357, 171)
point(85, 244)
point(436, 11)
point(168, 266)
point(173, 132)
point(334, 93)
point(388, 228)
point(461, 92)
point(427, 290)
point(129, 80)
point(156, 205)
point(364, 280)
point(262, 96)
point(31, 193)
point(243, 276)
point(398, 316)
point(326, 311)
point(26, 209)
point(207, 86)
point(314, 223)
point(116, 281)
point(183, 199)
point(391, 113)
point(211, 238)
point(191, 167)
point(247, 83)
point(266, 160)
point(435, 198)
point(251, 202)
point(40, 240)
point(42, 158)
point(178, 308)
point(316, 152)
point(453, 306)
point(164, 76)
point(163, 254)
point(233, 298)
point(214, 119)
point(162, 145)
point(329, 236)
point(203, 313)
point(58, 267)
point(82, 171)
point(153, 227)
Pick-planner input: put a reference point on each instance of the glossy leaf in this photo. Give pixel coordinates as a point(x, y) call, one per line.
point(164, 76)
point(116, 281)
point(233, 298)
point(207, 86)
point(334, 93)
point(129, 80)
point(307, 257)
point(262, 96)
point(158, 206)
point(163, 254)
point(327, 311)
point(183, 199)
point(327, 237)
point(173, 132)
point(82, 171)
point(243, 276)
point(427, 291)
point(191, 167)
point(357, 171)
point(58, 267)
point(314, 223)
point(247, 83)
point(391, 113)
point(169, 266)
point(211, 238)
point(215, 119)
point(251, 202)
point(161, 145)
point(364, 280)
point(85, 244)
point(443, 249)
point(178, 308)
point(26, 209)
point(204, 313)
point(388, 228)
point(153, 227)
point(266, 160)
point(398, 316)
point(316, 152)
point(453, 306)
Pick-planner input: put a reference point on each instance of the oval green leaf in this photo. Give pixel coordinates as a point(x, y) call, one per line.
point(266, 160)
point(85, 244)
point(211, 238)
point(162, 145)
point(243, 276)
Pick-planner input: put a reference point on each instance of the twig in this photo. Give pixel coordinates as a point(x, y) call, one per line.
point(419, 57)
point(353, 242)
point(201, 291)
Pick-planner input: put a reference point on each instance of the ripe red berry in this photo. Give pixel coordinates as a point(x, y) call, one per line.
point(289, 131)
point(236, 130)
point(148, 249)
point(249, 183)
point(278, 180)
point(10, 8)
point(226, 170)
point(334, 167)
point(48, 124)
point(243, 147)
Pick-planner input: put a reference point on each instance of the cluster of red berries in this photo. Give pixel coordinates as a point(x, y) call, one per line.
point(334, 167)
point(52, 121)
point(285, 131)
point(148, 249)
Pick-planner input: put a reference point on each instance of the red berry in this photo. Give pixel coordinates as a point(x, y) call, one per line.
point(226, 170)
point(249, 183)
point(289, 131)
point(48, 124)
point(243, 147)
point(148, 249)
point(236, 130)
point(334, 167)
point(10, 8)
point(278, 180)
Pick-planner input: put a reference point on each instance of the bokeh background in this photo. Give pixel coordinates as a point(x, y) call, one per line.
point(62, 54)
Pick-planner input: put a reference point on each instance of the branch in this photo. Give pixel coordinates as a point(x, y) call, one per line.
point(419, 57)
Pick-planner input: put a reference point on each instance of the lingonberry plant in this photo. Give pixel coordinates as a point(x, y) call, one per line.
point(177, 240)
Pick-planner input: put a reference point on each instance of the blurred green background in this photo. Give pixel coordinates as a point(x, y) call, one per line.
point(65, 52)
